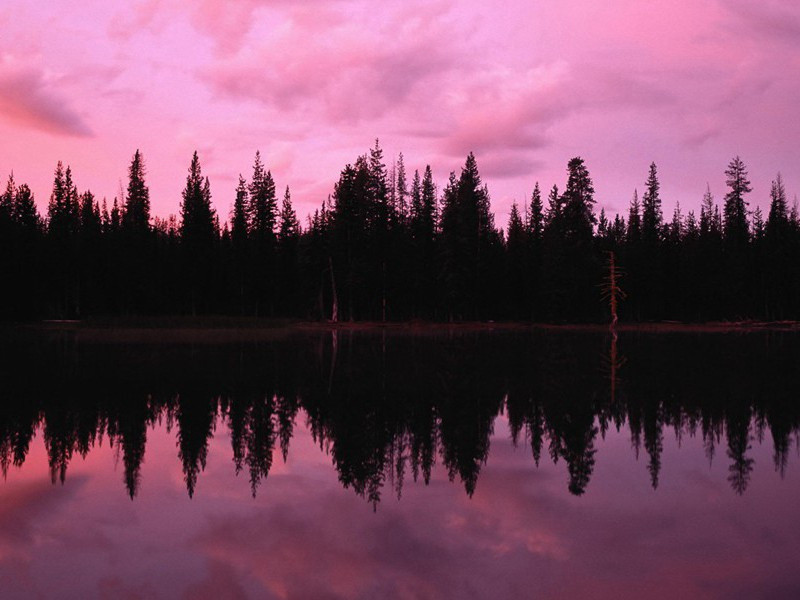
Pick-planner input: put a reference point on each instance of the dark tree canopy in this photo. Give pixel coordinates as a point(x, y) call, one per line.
point(383, 247)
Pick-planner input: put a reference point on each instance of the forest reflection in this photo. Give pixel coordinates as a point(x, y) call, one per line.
point(389, 406)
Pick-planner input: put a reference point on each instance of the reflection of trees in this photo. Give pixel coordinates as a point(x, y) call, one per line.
point(388, 407)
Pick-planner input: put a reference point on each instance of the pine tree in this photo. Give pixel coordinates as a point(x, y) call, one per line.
point(7, 200)
point(578, 201)
point(735, 212)
point(401, 189)
point(384, 218)
point(136, 208)
point(289, 225)
point(634, 234)
point(759, 227)
point(197, 214)
point(707, 211)
point(62, 210)
point(676, 227)
point(429, 208)
point(692, 230)
point(652, 217)
point(415, 211)
point(554, 208)
point(518, 264)
point(198, 235)
point(288, 239)
point(239, 225)
point(778, 218)
point(263, 208)
point(536, 214)
point(116, 216)
point(24, 211)
point(90, 223)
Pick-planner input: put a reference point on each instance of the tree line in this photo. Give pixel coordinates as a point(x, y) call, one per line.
point(389, 246)
point(390, 408)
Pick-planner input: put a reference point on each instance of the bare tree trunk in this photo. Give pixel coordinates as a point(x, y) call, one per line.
point(383, 293)
point(335, 302)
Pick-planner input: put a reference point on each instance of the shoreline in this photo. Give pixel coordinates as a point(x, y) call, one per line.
point(234, 329)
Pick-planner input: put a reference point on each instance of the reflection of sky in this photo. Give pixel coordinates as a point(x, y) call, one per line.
point(520, 535)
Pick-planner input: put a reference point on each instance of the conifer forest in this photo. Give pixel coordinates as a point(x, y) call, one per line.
point(389, 245)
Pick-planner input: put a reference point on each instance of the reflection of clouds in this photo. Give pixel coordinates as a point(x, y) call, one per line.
point(24, 511)
point(520, 535)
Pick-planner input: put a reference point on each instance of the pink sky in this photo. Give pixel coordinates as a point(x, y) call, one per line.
point(686, 83)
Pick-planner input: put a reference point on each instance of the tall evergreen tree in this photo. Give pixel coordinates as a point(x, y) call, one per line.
point(24, 211)
point(198, 235)
point(634, 234)
point(239, 225)
point(62, 210)
point(554, 208)
point(289, 225)
point(7, 200)
point(401, 189)
point(288, 240)
point(536, 215)
point(263, 206)
point(652, 217)
point(63, 222)
point(518, 265)
point(778, 218)
point(136, 209)
point(263, 215)
point(708, 211)
point(578, 201)
point(735, 212)
point(536, 227)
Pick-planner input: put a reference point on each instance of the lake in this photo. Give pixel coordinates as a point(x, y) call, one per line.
point(395, 464)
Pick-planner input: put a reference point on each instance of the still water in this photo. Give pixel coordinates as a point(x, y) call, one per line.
point(351, 464)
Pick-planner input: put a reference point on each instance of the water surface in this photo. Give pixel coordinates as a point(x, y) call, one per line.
point(388, 464)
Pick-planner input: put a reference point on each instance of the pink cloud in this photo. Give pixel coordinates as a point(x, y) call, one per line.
point(29, 99)
point(334, 70)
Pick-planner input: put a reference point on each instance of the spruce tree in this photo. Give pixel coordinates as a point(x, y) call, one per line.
point(136, 208)
point(197, 214)
point(24, 211)
point(7, 200)
point(415, 210)
point(536, 215)
point(518, 265)
point(429, 207)
point(553, 217)
point(239, 225)
point(289, 225)
point(198, 235)
point(735, 213)
point(401, 189)
point(707, 214)
point(634, 234)
point(778, 218)
point(578, 202)
point(288, 239)
point(63, 210)
point(652, 217)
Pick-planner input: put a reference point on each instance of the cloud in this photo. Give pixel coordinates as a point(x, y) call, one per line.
point(770, 19)
point(29, 100)
point(336, 70)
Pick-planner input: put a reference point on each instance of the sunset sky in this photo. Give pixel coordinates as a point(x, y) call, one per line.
point(525, 85)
